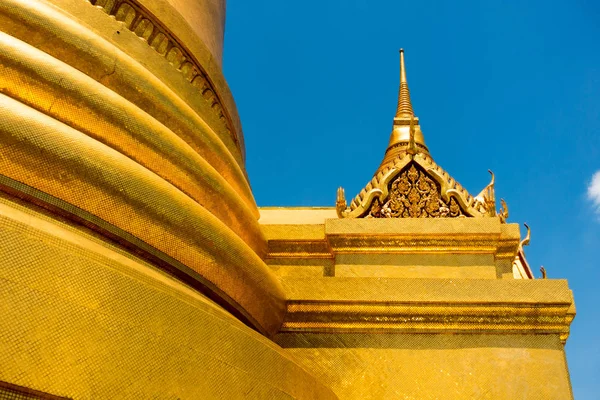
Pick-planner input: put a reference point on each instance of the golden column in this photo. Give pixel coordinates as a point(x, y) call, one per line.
point(131, 248)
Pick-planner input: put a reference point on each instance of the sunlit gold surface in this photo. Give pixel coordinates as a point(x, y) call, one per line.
point(430, 367)
point(404, 119)
point(83, 319)
point(403, 294)
point(428, 306)
point(141, 21)
point(95, 117)
point(205, 17)
point(449, 188)
point(161, 93)
point(48, 155)
point(408, 183)
point(134, 264)
point(406, 247)
point(58, 90)
point(417, 308)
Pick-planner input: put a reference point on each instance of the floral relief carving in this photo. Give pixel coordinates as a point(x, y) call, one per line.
point(414, 194)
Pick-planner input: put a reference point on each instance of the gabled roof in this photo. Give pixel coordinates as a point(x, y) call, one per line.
point(408, 183)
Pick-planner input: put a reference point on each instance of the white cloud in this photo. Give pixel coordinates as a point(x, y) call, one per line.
point(593, 191)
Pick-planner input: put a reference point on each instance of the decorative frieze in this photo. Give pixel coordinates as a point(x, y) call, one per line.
point(149, 28)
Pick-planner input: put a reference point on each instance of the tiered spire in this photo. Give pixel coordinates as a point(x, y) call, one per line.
point(408, 183)
point(404, 109)
point(404, 132)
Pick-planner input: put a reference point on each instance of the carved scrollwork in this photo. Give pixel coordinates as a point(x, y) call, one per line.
point(503, 212)
point(414, 194)
point(148, 27)
point(341, 205)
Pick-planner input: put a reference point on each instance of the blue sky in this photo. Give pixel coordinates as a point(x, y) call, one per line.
point(509, 86)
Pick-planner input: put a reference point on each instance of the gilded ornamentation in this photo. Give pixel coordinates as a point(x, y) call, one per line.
point(147, 27)
point(413, 194)
point(503, 212)
point(486, 199)
point(525, 242)
point(519, 262)
point(340, 204)
point(408, 183)
point(361, 316)
point(412, 148)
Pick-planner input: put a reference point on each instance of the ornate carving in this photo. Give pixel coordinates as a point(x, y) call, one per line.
point(485, 201)
point(452, 317)
point(408, 183)
point(503, 212)
point(525, 242)
point(340, 204)
point(148, 27)
point(413, 194)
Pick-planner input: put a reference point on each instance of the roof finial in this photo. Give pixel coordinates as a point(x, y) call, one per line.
point(404, 105)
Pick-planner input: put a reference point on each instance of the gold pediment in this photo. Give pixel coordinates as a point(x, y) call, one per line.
point(413, 193)
point(414, 187)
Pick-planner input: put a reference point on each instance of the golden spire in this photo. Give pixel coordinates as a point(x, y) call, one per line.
point(404, 105)
point(406, 132)
point(406, 155)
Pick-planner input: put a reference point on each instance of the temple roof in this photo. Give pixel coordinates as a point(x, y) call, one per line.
point(408, 183)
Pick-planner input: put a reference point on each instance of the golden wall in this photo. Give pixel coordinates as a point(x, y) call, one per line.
point(417, 308)
point(421, 366)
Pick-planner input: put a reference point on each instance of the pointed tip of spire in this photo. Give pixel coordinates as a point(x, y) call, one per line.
point(404, 104)
point(402, 67)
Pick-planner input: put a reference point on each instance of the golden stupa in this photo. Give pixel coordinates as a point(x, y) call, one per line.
point(136, 264)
